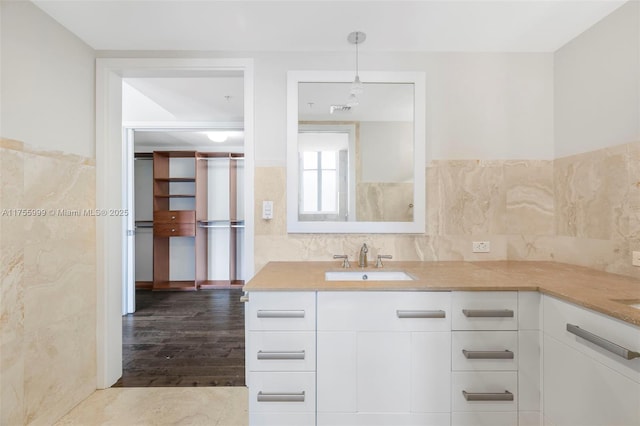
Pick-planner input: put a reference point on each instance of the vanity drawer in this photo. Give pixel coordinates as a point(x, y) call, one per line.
point(490, 391)
point(384, 311)
point(174, 230)
point(281, 351)
point(282, 392)
point(174, 216)
point(476, 418)
point(558, 315)
point(484, 350)
point(484, 310)
point(281, 311)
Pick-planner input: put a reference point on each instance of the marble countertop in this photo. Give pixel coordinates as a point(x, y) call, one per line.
point(600, 291)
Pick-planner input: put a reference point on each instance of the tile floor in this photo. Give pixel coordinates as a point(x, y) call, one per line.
point(211, 406)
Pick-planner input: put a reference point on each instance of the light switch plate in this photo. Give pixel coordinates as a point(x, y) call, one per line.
point(267, 210)
point(635, 258)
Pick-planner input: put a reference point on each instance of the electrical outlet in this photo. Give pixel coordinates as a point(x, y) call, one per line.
point(481, 247)
point(635, 258)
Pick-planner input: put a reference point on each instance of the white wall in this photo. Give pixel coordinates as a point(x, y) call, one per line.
point(48, 74)
point(597, 85)
point(479, 106)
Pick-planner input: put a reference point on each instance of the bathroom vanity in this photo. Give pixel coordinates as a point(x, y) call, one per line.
point(461, 343)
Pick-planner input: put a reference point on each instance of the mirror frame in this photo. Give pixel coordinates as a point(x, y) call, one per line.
point(294, 225)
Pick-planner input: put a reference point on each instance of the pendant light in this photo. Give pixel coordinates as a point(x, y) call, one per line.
point(356, 37)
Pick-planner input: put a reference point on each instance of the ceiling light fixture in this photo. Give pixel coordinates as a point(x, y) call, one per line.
point(217, 136)
point(356, 37)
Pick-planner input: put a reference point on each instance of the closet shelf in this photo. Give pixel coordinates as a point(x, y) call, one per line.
point(175, 196)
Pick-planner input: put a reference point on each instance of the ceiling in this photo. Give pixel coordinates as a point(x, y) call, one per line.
point(306, 25)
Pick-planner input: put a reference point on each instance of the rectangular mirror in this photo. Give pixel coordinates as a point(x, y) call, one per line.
point(355, 165)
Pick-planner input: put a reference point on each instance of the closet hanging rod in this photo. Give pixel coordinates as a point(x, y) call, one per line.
point(220, 158)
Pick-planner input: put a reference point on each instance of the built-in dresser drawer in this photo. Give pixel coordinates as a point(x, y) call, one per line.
point(384, 311)
point(489, 391)
point(281, 351)
point(486, 310)
point(174, 230)
point(174, 216)
point(282, 392)
point(281, 311)
point(484, 350)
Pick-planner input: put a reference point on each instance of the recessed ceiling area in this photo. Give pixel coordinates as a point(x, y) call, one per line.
point(167, 140)
point(307, 25)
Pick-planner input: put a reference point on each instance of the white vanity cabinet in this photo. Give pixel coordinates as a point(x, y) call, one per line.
point(384, 358)
point(584, 382)
point(281, 358)
point(495, 358)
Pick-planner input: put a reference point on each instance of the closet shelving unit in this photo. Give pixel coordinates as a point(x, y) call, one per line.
point(233, 222)
point(170, 222)
point(192, 221)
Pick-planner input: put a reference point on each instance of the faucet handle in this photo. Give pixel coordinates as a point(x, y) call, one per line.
point(380, 257)
point(345, 260)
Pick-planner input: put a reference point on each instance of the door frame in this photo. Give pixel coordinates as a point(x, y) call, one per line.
point(110, 187)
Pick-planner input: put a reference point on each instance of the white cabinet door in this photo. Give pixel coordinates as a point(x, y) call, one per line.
point(400, 368)
point(336, 371)
point(579, 391)
point(383, 372)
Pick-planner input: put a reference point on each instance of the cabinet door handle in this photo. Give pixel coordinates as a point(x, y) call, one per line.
point(488, 396)
point(244, 299)
point(506, 354)
point(280, 355)
point(602, 342)
point(173, 217)
point(280, 397)
point(280, 314)
point(487, 313)
point(420, 314)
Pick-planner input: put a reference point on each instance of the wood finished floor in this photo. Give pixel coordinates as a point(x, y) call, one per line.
point(184, 339)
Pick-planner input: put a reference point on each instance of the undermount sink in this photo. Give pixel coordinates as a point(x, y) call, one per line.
point(367, 276)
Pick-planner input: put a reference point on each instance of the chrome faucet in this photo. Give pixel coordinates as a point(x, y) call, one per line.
point(362, 260)
point(345, 260)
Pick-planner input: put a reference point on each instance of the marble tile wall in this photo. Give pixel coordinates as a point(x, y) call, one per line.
point(597, 197)
point(48, 293)
point(384, 202)
point(583, 209)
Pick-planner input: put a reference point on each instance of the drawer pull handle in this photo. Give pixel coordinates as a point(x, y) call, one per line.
point(173, 230)
point(280, 314)
point(277, 355)
point(280, 397)
point(488, 396)
point(488, 313)
point(603, 343)
point(420, 314)
point(173, 217)
point(506, 354)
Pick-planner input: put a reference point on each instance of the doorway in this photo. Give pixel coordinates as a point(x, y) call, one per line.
point(111, 168)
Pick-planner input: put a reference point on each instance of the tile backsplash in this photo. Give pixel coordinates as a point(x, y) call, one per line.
point(583, 209)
